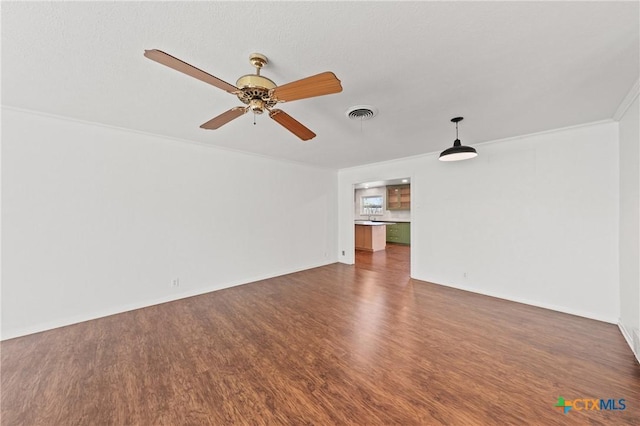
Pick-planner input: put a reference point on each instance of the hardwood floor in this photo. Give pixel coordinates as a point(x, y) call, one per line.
point(338, 344)
point(393, 260)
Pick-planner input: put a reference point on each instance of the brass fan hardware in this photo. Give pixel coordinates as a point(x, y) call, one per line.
point(255, 88)
point(257, 92)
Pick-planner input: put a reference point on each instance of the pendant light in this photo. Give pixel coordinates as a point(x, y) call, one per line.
point(458, 151)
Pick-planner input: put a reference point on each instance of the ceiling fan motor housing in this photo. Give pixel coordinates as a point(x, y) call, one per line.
point(255, 87)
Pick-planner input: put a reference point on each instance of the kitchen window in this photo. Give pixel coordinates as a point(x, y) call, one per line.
point(372, 205)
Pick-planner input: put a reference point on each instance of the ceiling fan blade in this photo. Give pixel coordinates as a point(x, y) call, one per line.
point(224, 118)
point(316, 85)
point(291, 124)
point(178, 65)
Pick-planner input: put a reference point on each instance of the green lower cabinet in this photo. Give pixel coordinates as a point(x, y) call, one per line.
point(399, 233)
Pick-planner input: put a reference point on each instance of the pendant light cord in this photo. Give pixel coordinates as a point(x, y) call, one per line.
point(457, 141)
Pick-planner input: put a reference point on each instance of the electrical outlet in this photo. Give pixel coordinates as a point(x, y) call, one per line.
point(465, 275)
point(343, 252)
point(175, 282)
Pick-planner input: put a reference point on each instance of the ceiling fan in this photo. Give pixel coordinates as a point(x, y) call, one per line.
point(258, 93)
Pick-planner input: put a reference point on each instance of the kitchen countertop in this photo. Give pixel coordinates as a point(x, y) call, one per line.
point(372, 223)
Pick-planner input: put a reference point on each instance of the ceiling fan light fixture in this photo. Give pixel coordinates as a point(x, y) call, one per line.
point(458, 151)
point(257, 106)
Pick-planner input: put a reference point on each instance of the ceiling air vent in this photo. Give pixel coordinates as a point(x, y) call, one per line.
point(362, 112)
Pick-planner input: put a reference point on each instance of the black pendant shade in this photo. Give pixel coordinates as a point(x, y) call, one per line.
point(458, 151)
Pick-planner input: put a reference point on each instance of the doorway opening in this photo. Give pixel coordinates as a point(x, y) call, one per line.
point(382, 225)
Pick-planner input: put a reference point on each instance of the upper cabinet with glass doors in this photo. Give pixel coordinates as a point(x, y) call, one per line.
point(399, 197)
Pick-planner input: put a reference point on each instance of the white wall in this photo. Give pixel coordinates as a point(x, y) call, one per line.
point(532, 219)
point(630, 224)
point(98, 220)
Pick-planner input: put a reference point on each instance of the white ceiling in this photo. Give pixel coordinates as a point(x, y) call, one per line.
point(510, 68)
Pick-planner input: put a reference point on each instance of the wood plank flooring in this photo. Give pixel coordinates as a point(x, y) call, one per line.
point(339, 344)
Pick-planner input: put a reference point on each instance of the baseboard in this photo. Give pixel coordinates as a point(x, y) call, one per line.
point(563, 309)
point(50, 325)
point(629, 338)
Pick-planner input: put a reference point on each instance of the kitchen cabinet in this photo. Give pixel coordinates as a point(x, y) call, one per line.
point(399, 197)
point(370, 237)
point(399, 233)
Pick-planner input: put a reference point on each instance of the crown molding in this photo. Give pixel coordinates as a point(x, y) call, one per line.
point(157, 135)
point(627, 101)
